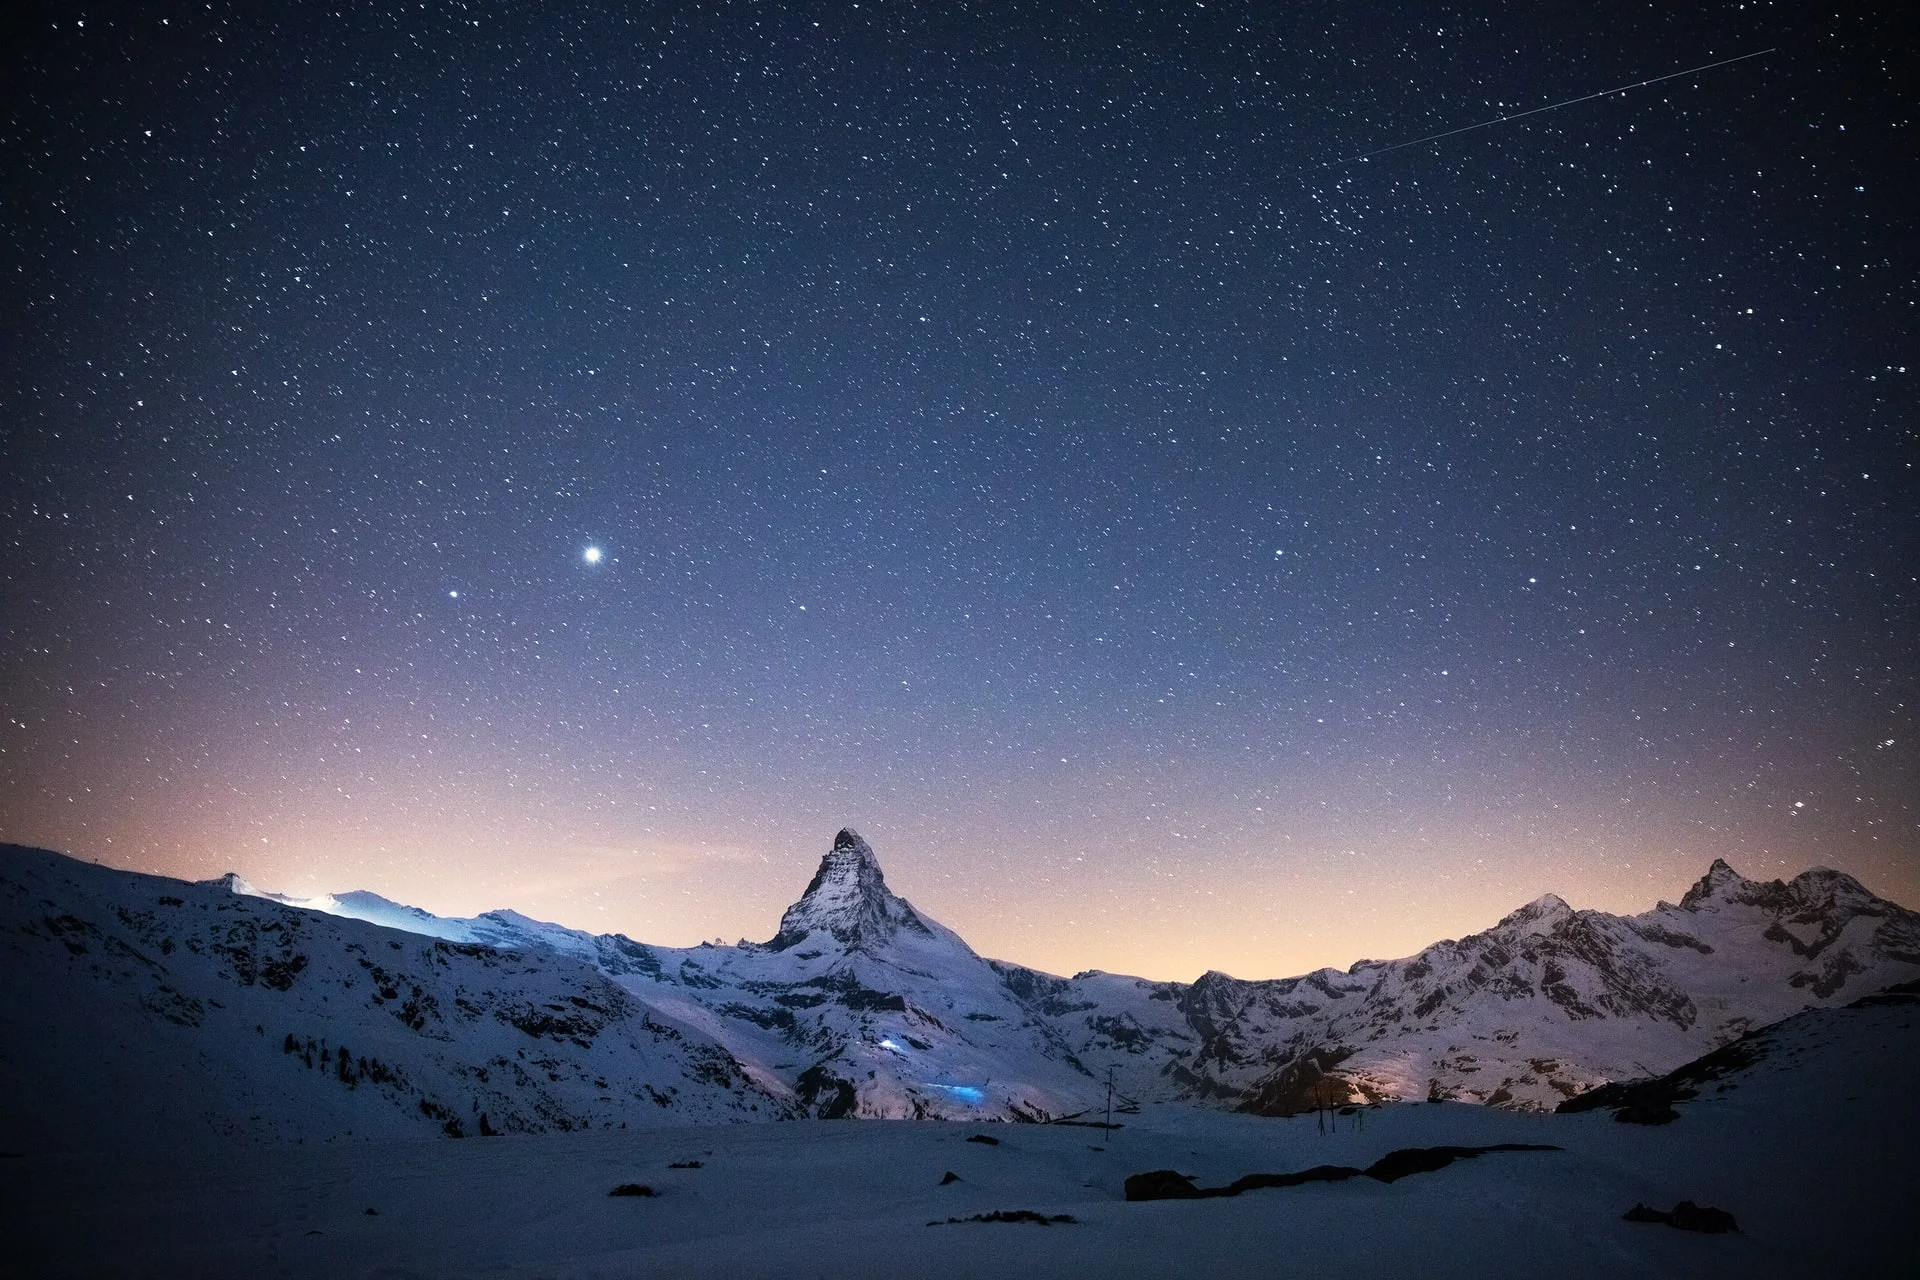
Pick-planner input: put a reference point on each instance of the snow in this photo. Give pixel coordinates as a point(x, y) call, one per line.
point(173, 1099)
point(141, 1012)
point(1546, 1003)
point(1811, 1150)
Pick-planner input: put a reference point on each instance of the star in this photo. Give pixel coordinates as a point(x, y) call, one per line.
point(747, 383)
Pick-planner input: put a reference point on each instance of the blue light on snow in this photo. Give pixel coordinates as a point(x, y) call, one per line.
point(964, 1092)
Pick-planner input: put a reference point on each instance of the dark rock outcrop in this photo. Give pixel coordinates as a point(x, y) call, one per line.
point(1170, 1184)
point(1651, 1101)
point(1396, 1165)
point(1162, 1184)
point(825, 1095)
point(1686, 1216)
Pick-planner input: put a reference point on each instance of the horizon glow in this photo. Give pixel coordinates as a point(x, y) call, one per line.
point(1172, 550)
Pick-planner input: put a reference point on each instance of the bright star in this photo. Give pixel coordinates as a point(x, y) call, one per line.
point(591, 555)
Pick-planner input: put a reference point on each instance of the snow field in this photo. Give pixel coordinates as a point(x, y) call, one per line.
point(1812, 1149)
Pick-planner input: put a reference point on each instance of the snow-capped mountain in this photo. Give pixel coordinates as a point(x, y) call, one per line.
point(859, 1005)
point(865, 1007)
point(613, 953)
point(849, 901)
point(862, 1005)
point(1545, 1004)
point(138, 1010)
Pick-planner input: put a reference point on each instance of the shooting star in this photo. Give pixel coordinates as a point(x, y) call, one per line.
point(1555, 106)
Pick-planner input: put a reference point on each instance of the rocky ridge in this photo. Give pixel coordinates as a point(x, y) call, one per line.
point(901, 1017)
point(860, 1005)
point(143, 1011)
point(1547, 1003)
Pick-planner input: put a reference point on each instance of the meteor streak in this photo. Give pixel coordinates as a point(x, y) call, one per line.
point(1587, 97)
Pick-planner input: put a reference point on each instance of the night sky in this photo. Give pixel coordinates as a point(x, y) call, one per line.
point(1019, 432)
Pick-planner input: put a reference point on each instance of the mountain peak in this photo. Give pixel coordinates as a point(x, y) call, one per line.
point(1828, 880)
point(849, 841)
point(849, 899)
point(1539, 916)
point(234, 882)
point(1717, 883)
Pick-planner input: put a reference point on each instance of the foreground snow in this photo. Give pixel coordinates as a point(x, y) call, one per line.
point(1812, 1149)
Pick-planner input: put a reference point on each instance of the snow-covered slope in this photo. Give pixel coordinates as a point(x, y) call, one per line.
point(1545, 1004)
point(208, 1004)
point(614, 953)
point(863, 1006)
point(1811, 1147)
point(138, 1010)
point(858, 1005)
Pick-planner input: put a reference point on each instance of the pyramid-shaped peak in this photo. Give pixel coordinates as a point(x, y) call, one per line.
point(847, 898)
point(849, 843)
point(848, 868)
point(1719, 881)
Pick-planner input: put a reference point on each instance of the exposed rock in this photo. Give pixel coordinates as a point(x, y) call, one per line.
point(849, 899)
point(1307, 1083)
point(825, 1095)
point(1651, 1101)
point(860, 1006)
point(1162, 1184)
point(1319, 1173)
point(862, 986)
point(1169, 1184)
point(1396, 1165)
point(1686, 1216)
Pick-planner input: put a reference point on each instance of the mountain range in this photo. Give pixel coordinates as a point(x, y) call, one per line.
point(144, 1007)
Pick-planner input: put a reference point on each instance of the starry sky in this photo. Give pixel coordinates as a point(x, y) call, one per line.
point(578, 457)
